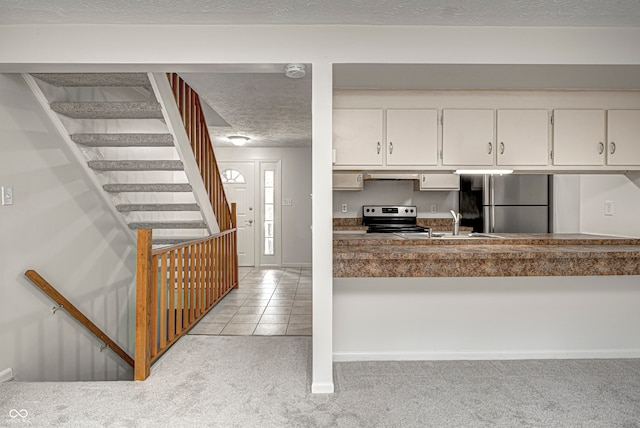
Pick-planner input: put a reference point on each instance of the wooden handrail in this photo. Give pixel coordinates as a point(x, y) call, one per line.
point(186, 244)
point(65, 304)
point(177, 286)
point(195, 124)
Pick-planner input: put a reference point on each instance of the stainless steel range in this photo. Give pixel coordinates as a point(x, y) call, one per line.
point(391, 219)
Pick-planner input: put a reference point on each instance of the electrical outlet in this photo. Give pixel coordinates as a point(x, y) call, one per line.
point(434, 209)
point(345, 208)
point(287, 202)
point(7, 195)
point(608, 208)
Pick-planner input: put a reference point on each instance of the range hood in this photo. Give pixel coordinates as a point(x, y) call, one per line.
point(391, 176)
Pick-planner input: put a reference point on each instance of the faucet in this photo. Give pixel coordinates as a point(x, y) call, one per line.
point(456, 222)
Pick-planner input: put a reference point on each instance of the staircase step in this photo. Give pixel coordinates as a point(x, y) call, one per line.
point(168, 225)
point(108, 110)
point(123, 208)
point(147, 187)
point(136, 165)
point(94, 79)
point(123, 140)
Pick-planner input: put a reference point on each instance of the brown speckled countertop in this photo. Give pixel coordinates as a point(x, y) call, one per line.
point(388, 255)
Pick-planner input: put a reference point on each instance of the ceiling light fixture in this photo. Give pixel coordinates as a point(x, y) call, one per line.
point(483, 171)
point(295, 71)
point(238, 140)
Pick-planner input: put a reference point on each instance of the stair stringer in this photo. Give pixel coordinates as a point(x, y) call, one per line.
point(173, 120)
point(73, 147)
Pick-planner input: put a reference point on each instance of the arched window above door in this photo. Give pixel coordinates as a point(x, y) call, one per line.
point(232, 176)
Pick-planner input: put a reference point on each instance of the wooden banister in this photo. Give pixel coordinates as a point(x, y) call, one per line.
point(176, 287)
point(195, 124)
point(65, 304)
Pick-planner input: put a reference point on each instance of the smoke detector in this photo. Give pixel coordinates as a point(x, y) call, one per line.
point(295, 71)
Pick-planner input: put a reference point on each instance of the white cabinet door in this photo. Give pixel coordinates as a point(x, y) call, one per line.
point(523, 137)
point(578, 137)
point(347, 181)
point(468, 137)
point(446, 182)
point(623, 133)
point(412, 137)
point(357, 137)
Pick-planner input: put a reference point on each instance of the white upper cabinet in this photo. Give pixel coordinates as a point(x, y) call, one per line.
point(522, 137)
point(579, 137)
point(623, 131)
point(468, 137)
point(357, 137)
point(412, 137)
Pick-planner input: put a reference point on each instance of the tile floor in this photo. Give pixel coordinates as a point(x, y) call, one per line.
point(268, 302)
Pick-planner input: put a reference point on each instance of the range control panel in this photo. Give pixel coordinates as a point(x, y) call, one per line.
point(389, 211)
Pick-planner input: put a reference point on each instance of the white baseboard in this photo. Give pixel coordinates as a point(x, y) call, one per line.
point(322, 388)
point(6, 375)
point(487, 355)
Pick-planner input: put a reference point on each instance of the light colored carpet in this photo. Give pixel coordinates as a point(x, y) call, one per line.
point(213, 381)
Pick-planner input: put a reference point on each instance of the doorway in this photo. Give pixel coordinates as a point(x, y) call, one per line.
point(239, 185)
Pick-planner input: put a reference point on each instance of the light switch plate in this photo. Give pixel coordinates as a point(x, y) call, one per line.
point(287, 202)
point(345, 208)
point(7, 195)
point(608, 208)
point(434, 209)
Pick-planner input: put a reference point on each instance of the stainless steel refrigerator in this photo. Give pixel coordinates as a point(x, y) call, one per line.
point(506, 203)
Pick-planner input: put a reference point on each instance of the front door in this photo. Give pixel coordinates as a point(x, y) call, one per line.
point(239, 186)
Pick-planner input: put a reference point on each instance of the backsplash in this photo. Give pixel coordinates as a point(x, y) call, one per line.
point(394, 193)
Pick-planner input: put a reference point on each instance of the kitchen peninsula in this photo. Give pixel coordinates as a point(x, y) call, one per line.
point(389, 255)
point(512, 297)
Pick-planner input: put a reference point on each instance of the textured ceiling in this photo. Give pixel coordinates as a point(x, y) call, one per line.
point(601, 13)
point(269, 108)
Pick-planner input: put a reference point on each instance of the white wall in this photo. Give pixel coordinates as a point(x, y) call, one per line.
point(625, 195)
point(486, 318)
point(296, 185)
point(566, 203)
point(60, 227)
point(394, 193)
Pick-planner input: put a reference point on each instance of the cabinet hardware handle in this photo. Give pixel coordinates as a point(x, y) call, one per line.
point(490, 147)
point(613, 147)
point(359, 178)
point(600, 148)
point(378, 147)
point(390, 148)
point(501, 148)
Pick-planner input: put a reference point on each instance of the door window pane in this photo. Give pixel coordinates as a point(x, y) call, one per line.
point(268, 195)
point(269, 212)
point(268, 178)
point(268, 246)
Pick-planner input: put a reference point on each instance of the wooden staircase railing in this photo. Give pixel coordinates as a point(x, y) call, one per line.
point(176, 287)
point(74, 312)
point(195, 124)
